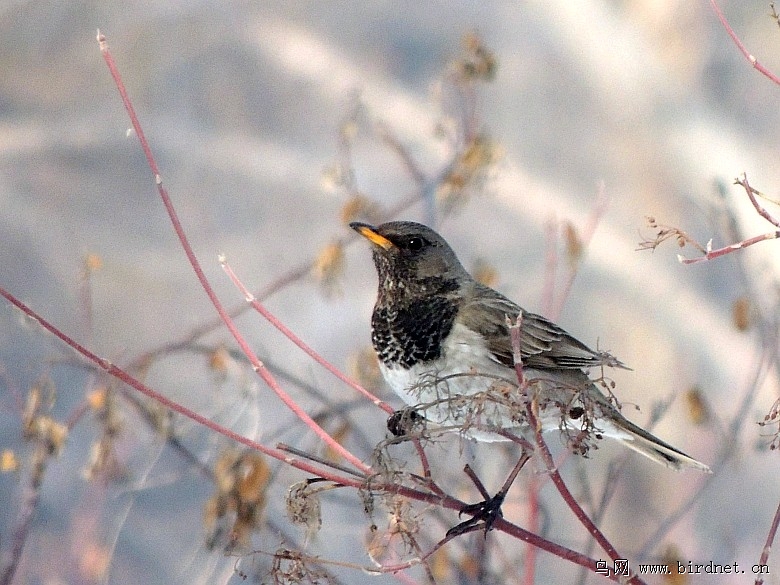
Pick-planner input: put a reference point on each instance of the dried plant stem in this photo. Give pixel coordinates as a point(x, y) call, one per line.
point(31, 494)
point(667, 232)
point(600, 206)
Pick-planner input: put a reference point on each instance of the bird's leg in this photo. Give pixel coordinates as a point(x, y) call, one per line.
point(486, 512)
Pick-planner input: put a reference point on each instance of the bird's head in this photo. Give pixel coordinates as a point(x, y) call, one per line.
point(412, 258)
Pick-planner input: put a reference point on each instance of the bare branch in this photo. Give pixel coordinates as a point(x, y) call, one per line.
point(742, 49)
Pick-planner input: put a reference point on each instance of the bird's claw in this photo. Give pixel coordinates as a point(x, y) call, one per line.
point(483, 516)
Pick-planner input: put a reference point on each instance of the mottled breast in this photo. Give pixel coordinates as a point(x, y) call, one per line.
point(409, 334)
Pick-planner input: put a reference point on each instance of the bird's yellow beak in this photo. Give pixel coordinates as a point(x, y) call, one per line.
point(369, 232)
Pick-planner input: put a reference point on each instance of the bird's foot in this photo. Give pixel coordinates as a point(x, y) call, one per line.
point(483, 515)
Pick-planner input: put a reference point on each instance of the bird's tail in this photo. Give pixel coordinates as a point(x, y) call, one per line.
point(650, 446)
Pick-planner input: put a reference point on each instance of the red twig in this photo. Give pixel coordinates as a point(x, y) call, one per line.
point(710, 254)
point(261, 370)
point(346, 479)
point(257, 306)
point(751, 193)
point(187, 340)
point(769, 541)
point(549, 462)
point(256, 363)
point(552, 308)
point(305, 466)
point(320, 360)
point(120, 374)
point(440, 499)
point(742, 48)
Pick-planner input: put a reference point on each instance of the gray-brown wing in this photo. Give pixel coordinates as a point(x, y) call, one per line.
point(543, 344)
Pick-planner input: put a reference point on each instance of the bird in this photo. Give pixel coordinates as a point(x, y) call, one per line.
point(444, 347)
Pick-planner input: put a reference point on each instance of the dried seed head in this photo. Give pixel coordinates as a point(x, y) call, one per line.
point(253, 478)
point(234, 511)
point(360, 206)
point(96, 399)
point(329, 266)
point(220, 361)
point(574, 245)
point(698, 410)
point(8, 461)
point(92, 263)
point(741, 313)
point(336, 177)
point(303, 505)
point(485, 273)
point(50, 432)
point(470, 170)
point(363, 366)
point(478, 63)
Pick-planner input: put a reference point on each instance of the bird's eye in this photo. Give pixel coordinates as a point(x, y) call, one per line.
point(414, 244)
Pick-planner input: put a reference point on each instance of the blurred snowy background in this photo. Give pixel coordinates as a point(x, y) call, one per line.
point(243, 103)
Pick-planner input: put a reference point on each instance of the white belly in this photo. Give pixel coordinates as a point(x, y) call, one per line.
point(475, 393)
point(446, 396)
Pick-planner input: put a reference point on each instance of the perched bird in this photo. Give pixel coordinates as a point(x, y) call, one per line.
point(444, 347)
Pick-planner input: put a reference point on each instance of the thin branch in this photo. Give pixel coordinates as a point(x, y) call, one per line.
point(594, 217)
point(751, 193)
point(257, 365)
point(742, 48)
point(764, 559)
point(257, 306)
point(549, 462)
point(394, 143)
point(123, 376)
point(712, 254)
point(31, 494)
point(665, 233)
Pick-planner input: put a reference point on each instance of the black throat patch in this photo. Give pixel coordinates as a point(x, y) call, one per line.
point(412, 332)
